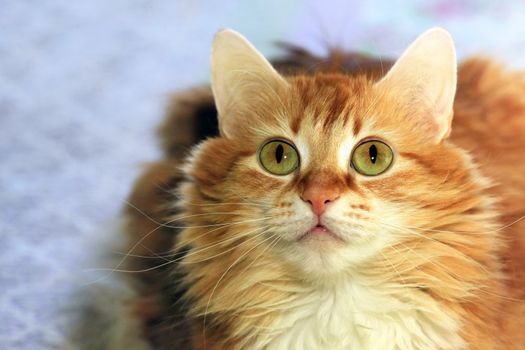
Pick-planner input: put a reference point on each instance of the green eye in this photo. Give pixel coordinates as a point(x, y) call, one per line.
point(278, 157)
point(372, 158)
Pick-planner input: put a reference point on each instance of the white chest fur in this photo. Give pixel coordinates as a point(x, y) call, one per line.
point(361, 316)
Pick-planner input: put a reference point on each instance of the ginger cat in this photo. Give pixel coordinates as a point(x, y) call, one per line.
point(340, 203)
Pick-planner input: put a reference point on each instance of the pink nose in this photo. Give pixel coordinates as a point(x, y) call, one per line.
point(319, 196)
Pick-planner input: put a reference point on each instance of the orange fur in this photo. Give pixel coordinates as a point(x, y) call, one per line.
point(468, 250)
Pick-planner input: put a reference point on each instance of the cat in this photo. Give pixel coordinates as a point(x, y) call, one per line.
point(345, 202)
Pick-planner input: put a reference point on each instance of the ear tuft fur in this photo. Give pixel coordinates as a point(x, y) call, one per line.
point(241, 78)
point(426, 76)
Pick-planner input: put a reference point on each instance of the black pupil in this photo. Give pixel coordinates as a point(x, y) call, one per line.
point(373, 153)
point(279, 153)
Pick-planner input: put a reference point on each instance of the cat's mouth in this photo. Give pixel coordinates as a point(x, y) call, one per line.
point(321, 233)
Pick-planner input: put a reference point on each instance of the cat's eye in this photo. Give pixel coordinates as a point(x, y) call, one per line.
point(278, 157)
point(372, 158)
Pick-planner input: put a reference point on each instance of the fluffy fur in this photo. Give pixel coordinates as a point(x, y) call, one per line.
point(435, 255)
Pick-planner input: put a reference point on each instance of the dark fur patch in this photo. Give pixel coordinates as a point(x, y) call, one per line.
point(357, 125)
point(207, 125)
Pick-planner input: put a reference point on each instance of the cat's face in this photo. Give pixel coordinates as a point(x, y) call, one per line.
point(330, 168)
point(304, 174)
point(318, 172)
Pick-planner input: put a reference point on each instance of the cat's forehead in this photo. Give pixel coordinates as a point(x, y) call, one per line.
point(328, 115)
point(329, 104)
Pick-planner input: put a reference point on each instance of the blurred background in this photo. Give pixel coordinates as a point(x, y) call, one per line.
point(83, 86)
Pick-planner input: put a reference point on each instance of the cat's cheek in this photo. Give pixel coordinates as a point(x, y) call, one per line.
point(250, 181)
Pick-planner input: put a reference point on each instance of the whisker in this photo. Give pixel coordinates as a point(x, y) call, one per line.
point(138, 255)
point(116, 268)
point(429, 260)
point(243, 201)
point(181, 258)
point(224, 274)
point(393, 267)
point(214, 225)
point(222, 242)
point(152, 252)
point(456, 252)
point(178, 218)
point(180, 245)
point(458, 277)
point(510, 224)
point(272, 244)
point(142, 212)
point(215, 229)
point(421, 228)
point(176, 195)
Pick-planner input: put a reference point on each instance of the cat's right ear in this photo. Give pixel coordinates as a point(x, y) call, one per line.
point(242, 82)
point(424, 79)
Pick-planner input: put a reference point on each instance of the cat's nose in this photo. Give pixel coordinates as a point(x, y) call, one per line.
point(319, 196)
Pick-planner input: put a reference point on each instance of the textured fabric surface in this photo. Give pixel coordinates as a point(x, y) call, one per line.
point(82, 87)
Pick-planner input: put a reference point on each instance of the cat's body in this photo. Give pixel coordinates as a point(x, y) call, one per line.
point(445, 266)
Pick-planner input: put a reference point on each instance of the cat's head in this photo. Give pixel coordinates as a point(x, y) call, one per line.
point(334, 169)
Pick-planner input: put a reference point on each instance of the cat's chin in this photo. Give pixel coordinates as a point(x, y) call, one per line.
point(323, 252)
point(319, 251)
point(319, 257)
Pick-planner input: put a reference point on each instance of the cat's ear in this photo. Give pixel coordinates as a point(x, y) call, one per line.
point(425, 78)
point(241, 80)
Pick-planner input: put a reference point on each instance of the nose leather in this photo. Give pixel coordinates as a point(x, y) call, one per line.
point(319, 194)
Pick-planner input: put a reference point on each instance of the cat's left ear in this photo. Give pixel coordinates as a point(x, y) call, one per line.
point(424, 78)
point(243, 82)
